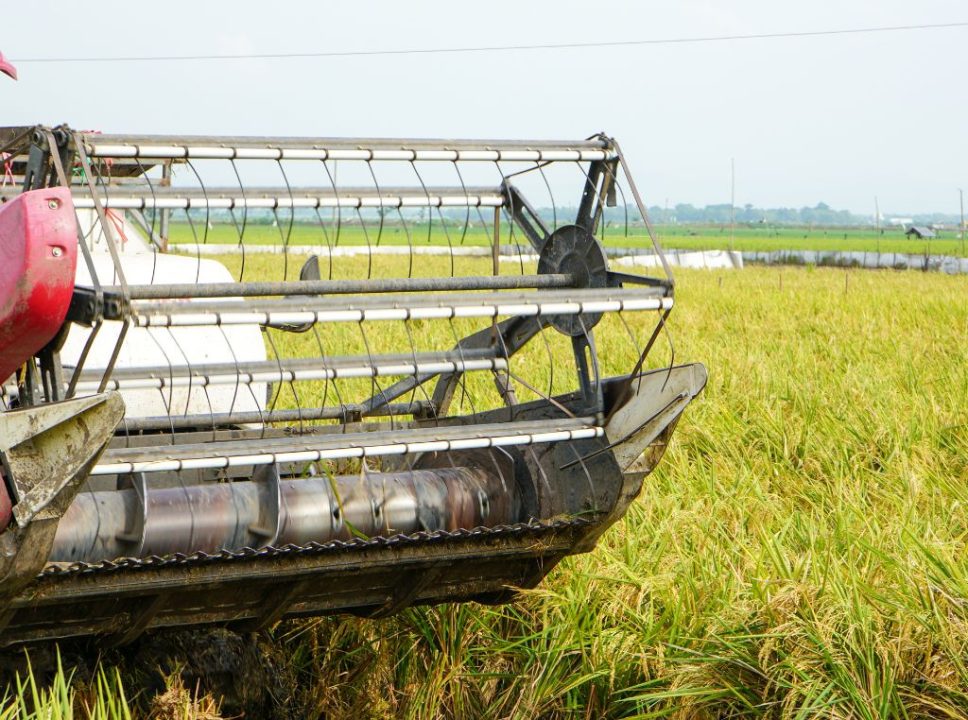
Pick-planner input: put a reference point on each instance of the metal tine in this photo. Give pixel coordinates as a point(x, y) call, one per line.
point(287, 238)
point(167, 401)
point(430, 219)
point(290, 383)
point(208, 219)
point(406, 230)
point(187, 364)
point(329, 246)
point(238, 382)
point(376, 389)
point(326, 381)
point(337, 211)
point(554, 210)
point(509, 220)
point(462, 378)
point(369, 248)
point(382, 215)
point(245, 218)
point(450, 245)
point(487, 233)
point(467, 211)
point(629, 333)
point(151, 230)
point(414, 354)
point(408, 459)
point(507, 391)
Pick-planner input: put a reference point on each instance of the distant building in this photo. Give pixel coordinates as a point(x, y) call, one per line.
point(920, 232)
point(900, 222)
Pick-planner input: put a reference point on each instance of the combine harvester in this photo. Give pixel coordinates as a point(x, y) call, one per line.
point(186, 442)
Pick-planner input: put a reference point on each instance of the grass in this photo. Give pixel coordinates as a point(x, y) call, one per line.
point(681, 237)
point(800, 551)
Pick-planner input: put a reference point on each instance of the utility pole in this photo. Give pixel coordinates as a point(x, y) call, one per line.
point(961, 198)
point(877, 222)
point(732, 200)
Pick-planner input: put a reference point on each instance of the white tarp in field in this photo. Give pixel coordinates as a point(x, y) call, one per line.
point(704, 259)
point(895, 261)
point(624, 257)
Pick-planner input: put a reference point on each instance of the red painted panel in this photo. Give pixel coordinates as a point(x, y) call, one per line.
point(38, 256)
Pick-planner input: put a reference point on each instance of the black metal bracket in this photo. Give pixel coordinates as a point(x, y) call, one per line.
point(618, 279)
point(599, 193)
point(38, 162)
point(88, 306)
point(526, 217)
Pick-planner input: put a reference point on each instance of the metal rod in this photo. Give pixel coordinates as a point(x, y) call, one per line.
point(345, 287)
point(144, 197)
point(156, 147)
point(399, 306)
point(167, 315)
point(338, 363)
point(272, 451)
point(245, 375)
point(341, 412)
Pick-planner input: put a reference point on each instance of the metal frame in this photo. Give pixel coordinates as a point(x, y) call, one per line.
point(568, 462)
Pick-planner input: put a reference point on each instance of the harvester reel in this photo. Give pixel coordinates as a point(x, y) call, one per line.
point(185, 444)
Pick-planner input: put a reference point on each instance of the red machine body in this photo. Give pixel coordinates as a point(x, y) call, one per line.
point(38, 257)
point(7, 68)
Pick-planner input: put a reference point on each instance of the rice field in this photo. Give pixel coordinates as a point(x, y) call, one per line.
point(480, 232)
point(800, 551)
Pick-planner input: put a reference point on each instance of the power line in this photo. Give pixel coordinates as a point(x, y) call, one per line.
point(499, 48)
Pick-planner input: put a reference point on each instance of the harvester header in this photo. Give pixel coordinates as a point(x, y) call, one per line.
point(249, 378)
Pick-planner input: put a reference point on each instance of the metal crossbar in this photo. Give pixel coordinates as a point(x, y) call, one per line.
point(134, 197)
point(293, 369)
point(158, 147)
point(283, 312)
point(225, 454)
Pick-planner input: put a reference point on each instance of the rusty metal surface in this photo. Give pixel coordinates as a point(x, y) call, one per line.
point(45, 454)
point(47, 451)
point(532, 528)
point(247, 589)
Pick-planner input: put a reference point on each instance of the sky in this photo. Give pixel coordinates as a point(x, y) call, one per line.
point(839, 119)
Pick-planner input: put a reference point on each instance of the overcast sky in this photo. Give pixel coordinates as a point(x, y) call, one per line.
point(838, 119)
